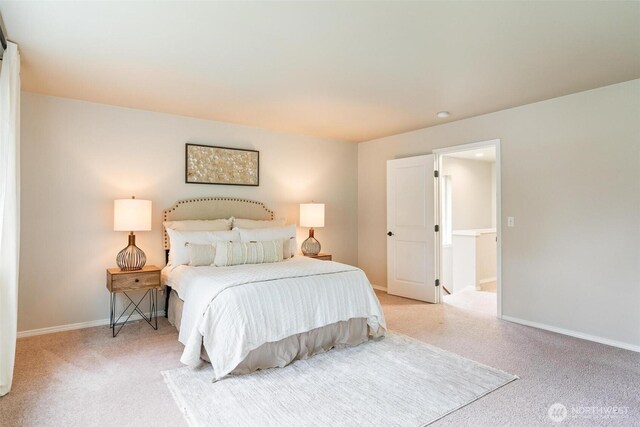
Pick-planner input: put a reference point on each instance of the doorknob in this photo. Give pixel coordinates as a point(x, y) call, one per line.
point(389, 234)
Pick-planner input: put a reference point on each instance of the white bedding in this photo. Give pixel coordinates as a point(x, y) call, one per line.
point(234, 310)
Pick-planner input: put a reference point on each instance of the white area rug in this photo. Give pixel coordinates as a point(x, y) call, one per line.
point(397, 381)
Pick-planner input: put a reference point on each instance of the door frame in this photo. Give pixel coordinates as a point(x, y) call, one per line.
point(438, 153)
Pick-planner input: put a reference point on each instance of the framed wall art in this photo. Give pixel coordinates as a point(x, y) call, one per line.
point(206, 164)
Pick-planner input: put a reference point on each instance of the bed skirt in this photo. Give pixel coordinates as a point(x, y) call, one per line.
point(300, 346)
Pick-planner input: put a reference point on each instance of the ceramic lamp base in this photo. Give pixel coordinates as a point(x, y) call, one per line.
point(310, 246)
point(131, 258)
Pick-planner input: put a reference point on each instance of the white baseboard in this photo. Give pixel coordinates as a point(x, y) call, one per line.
point(575, 334)
point(74, 326)
point(379, 288)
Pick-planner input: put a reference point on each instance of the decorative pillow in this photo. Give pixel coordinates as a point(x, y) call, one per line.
point(288, 247)
point(199, 225)
point(179, 253)
point(235, 253)
point(253, 223)
point(200, 255)
point(287, 233)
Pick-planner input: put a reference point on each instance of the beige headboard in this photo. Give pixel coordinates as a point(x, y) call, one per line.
point(214, 208)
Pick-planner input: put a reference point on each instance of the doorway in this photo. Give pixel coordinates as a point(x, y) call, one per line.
point(468, 206)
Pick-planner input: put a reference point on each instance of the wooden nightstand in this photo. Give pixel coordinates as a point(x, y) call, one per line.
point(121, 282)
point(324, 257)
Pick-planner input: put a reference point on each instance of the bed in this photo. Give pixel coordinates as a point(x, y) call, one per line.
point(255, 316)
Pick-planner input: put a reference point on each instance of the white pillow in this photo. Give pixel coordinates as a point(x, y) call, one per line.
point(179, 253)
point(287, 233)
point(199, 225)
point(200, 255)
point(253, 223)
point(235, 253)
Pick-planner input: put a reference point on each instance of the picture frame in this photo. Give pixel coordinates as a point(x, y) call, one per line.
point(209, 164)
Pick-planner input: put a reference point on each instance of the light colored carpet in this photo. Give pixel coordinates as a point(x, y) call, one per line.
point(394, 381)
point(86, 378)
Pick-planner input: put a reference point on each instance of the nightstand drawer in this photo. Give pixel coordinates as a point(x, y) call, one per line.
point(118, 281)
point(321, 256)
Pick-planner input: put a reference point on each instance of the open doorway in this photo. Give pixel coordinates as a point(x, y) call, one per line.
point(468, 209)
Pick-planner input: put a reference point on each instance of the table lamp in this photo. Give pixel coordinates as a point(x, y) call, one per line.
point(131, 215)
point(311, 215)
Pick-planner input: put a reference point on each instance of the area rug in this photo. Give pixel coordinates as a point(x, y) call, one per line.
point(396, 381)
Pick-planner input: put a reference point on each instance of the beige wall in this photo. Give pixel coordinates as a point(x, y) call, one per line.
point(571, 178)
point(471, 204)
point(77, 157)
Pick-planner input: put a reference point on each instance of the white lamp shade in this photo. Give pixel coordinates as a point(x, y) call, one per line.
point(312, 215)
point(131, 215)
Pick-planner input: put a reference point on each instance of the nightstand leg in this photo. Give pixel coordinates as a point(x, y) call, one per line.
point(152, 304)
point(113, 315)
point(111, 310)
point(151, 319)
point(155, 306)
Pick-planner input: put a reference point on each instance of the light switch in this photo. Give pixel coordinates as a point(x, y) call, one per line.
point(511, 222)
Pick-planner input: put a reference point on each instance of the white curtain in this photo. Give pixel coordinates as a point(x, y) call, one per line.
point(9, 211)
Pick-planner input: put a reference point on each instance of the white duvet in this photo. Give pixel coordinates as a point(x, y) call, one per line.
point(234, 310)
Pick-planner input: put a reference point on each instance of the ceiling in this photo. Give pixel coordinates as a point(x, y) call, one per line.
point(343, 70)
point(484, 154)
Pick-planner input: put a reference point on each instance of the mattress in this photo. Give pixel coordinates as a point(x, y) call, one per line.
point(299, 346)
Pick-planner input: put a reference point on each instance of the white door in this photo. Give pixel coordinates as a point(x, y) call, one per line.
point(411, 263)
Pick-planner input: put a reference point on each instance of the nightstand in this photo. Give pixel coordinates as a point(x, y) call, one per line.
point(122, 282)
point(323, 257)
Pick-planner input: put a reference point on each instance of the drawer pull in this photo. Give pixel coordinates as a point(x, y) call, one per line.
point(137, 280)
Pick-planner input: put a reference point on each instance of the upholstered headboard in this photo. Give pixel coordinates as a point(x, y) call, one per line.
point(214, 208)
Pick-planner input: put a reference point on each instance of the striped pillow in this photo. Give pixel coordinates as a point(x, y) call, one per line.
point(235, 253)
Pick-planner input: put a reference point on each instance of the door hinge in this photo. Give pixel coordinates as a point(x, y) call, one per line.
point(437, 228)
point(437, 282)
point(436, 174)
